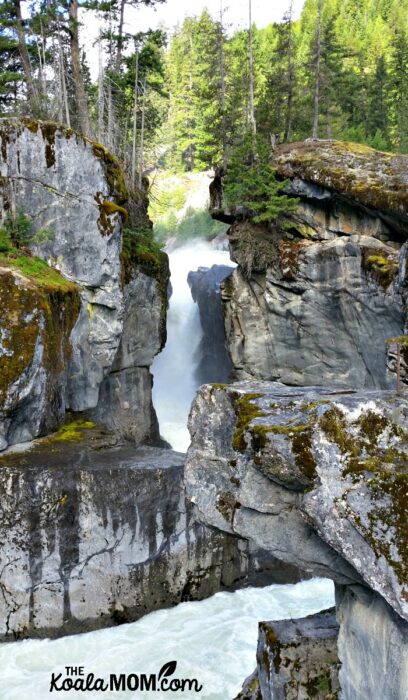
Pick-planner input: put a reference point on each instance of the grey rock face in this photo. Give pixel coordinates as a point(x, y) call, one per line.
point(142, 319)
point(297, 659)
point(251, 689)
point(373, 647)
point(61, 181)
point(125, 396)
point(94, 535)
point(317, 316)
point(225, 481)
point(316, 477)
point(214, 362)
point(35, 325)
point(74, 188)
point(125, 404)
point(316, 293)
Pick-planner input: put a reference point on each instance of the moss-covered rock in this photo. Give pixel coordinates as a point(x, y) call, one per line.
point(37, 312)
point(298, 658)
point(372, 178)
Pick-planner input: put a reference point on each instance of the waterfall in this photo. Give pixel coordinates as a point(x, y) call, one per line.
point(213, 640)
point(175, 383)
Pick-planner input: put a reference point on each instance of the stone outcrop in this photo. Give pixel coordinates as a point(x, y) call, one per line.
point(374, 180)
point(317, 294)
point(296, 660)
point(74, 189)
point(95, 533)
point(214, 364)
point(315, 477)
point(36, 319)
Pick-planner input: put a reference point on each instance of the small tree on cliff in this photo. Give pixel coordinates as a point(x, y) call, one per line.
point(251, 182)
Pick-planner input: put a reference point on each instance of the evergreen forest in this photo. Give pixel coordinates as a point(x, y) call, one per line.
point(184, 101)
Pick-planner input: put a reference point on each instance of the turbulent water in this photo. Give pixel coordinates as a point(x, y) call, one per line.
point(173, 370)
point(213, 641)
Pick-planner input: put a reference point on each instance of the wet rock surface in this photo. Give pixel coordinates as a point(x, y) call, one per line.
point(298, 659)
point(316, 477)
point(96, 533)
point(205, 284)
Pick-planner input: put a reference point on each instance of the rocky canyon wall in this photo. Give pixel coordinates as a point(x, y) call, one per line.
point(317, 294)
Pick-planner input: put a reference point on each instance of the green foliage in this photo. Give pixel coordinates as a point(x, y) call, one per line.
point(166, 200)
point(363, 80)
point(140, 242)
point(251, 182)
point(18, 230)
point(195, 224)
point(195, 110)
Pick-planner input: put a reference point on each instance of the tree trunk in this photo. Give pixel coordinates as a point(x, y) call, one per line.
point(134, 139)
point(251, 75)
point(101, 97)
point(291, 76)
point(120, 37)
point(80, 95)
point(141, 158)
point(318, 76)
point(222, 72)
point(109, 135)
point(32, 92)
point(64, 93)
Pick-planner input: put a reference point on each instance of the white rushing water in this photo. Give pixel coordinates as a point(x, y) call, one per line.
point(213, 641)
point(173, 370)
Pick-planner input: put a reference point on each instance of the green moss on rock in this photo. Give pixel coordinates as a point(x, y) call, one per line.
point(72, 430)
point(374, 452)
point(382, 267)
point(372, 178)
point(43, 306)
point(246, 412)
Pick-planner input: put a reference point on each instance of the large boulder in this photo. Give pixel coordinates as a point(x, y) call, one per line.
point(298, 659)
point(316, 477)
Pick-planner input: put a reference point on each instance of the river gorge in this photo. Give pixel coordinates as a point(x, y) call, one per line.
point(196, 446)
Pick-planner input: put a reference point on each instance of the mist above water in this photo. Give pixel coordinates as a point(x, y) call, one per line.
point(175, 383)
